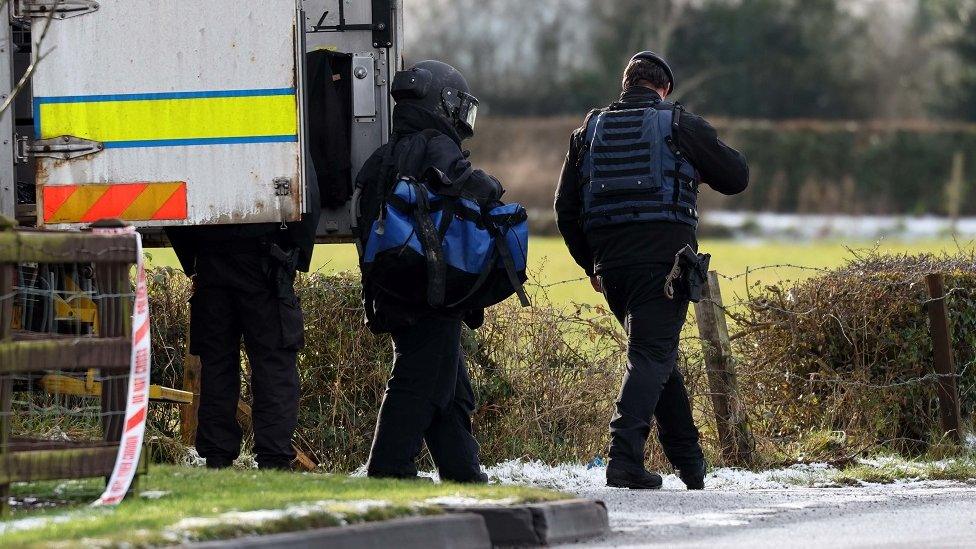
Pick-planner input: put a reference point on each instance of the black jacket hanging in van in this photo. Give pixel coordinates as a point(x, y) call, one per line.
point(329, 124)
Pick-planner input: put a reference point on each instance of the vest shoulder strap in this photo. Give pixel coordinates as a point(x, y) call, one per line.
point(581, 140)
point(677, 109)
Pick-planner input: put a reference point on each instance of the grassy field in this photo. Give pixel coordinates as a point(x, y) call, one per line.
point(553, 268)
point(178, 505)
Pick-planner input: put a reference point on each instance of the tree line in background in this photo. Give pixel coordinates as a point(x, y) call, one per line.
point(776, 59)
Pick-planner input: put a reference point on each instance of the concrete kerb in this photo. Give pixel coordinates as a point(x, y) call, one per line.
point(453, 531)
point(530, 525)
point(543, 524)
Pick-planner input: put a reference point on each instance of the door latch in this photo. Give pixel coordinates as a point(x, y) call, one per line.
point(63, 9)
point(282, 186)
point(65, 147)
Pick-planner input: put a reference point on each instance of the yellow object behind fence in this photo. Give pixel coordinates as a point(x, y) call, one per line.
point(66, 385)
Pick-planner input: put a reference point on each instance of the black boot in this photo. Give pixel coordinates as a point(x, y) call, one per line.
point(618, 478)
point(694, 476)
point(216, 463)
point(480, 478)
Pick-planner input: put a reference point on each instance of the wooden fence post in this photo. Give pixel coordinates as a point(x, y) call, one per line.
point(942, 357)
point(8, 274)
point(733, 428)
point(191, 384)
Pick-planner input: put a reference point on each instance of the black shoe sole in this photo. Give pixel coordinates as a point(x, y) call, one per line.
point(632, 487)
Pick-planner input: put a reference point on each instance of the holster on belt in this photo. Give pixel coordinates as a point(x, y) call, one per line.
point(286, 267)
point(689, 274)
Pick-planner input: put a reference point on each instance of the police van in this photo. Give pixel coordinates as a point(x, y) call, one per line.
point(188, 112)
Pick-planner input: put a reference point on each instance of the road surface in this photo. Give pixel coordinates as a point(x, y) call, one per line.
point(911, 515)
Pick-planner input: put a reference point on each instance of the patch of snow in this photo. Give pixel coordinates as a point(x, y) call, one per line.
point(359, 473)
point(193, 458)
point(183, 530)
point(577, 477)
point(809, 475)
point(567, 477)
point(458, 501)
point(246, 461)
point(432, 475)
point(57, 434)
point(33, 523)
point(813, 227)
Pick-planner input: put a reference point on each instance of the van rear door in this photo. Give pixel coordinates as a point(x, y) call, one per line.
point(183, 112)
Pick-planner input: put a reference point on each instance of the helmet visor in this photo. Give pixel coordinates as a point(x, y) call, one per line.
point(472, 115)
point(462, 108)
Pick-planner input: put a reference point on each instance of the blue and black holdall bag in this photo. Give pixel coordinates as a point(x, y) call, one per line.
point(436, 244)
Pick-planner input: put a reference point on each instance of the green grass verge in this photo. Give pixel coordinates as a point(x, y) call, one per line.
point(178, 505)
point(891, 469)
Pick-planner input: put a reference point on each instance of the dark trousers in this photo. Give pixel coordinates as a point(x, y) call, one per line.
point(428, 399)
point(652, 386)
point(237, 297)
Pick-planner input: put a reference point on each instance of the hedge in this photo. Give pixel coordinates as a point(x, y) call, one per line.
point(832, 367)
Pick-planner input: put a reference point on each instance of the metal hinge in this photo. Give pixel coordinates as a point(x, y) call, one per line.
point(282, 186)
point(65, 147)
point(63, 9)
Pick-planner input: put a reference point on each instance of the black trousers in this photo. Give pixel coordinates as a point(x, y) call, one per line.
point(237, 297)
point(652, 386)
point(428, 399)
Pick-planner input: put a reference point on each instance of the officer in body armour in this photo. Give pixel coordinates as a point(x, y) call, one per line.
point(429, 396)
point(243, 289)
point(626, 207)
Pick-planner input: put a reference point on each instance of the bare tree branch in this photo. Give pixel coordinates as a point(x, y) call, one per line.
point(38, 57)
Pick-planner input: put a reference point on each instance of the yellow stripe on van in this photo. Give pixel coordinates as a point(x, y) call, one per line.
point(173, 119)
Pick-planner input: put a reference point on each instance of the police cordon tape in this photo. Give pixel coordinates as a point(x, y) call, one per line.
point(137, 400)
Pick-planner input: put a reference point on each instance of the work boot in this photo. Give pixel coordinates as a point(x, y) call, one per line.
point(480, 478)
point(618, 478)
point(694, 476)
point(275, 465)
point(215, 463)
point(406, 478)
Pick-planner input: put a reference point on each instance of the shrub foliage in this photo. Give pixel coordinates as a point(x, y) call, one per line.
point(829, 367)
point(849, 352)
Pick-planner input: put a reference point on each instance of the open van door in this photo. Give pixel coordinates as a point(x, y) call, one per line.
point(359, 43)
point(161, 113)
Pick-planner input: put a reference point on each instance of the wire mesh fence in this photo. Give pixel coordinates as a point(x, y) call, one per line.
point(65, 352)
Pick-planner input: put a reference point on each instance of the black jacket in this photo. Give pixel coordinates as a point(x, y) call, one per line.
point(385, 313)
point(721, 167)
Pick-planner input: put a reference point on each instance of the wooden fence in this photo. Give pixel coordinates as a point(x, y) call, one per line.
point(26, 356)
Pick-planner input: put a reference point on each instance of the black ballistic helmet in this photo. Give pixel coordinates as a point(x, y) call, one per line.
point(440, 89)
point(657, 60)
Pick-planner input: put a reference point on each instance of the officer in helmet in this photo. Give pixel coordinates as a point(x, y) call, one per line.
point(626, 206)
point(429, 396)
